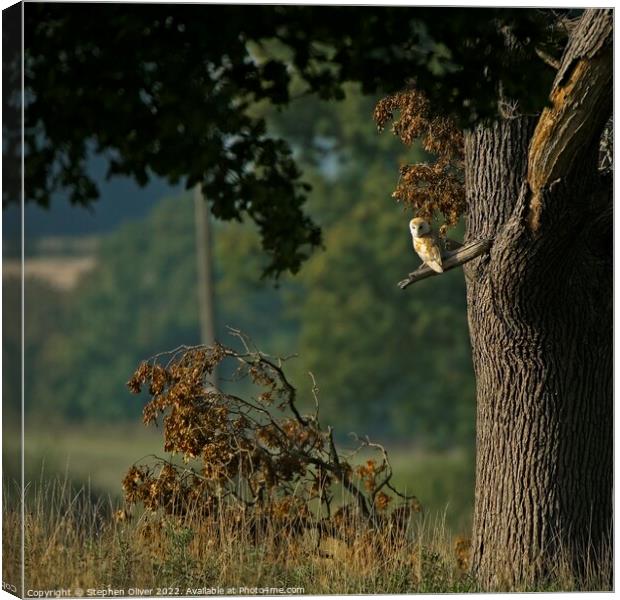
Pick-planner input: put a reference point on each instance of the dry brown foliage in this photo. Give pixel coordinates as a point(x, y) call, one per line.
point(257, 460)
point(428, 188)
point(462, 551)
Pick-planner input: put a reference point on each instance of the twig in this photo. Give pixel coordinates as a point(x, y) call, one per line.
point(451, 260)
point(290, 390)
point(341, 474)
point(315, 392)
point(547, 58)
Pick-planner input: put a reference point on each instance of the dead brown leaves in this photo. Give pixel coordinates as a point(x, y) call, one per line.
point(437, 186)
point(254, 455)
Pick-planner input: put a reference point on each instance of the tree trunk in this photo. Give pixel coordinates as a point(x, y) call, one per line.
point(540, 320)
point(204, 263)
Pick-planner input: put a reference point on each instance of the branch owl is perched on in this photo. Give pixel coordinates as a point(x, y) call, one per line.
point(428, 245)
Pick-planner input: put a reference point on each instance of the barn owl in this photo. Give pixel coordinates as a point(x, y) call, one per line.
point(428, 245)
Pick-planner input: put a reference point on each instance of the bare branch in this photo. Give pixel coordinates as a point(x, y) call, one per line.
point(315, 396)
point(547, 58)
point(291, 392)
point(581, 103)
point(451, 260)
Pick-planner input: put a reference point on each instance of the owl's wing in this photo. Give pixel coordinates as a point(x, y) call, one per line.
point(433, 256)
point(451, 245)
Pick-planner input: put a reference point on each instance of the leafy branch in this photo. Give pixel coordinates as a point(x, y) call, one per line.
point(255, 455)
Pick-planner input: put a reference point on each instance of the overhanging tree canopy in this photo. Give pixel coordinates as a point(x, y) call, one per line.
point(169, 90)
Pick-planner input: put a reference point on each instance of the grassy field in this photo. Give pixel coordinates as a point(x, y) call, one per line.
point(72, 543)
point(98, 457)
point(77, 537)
point(73, 534)
point(76, 544)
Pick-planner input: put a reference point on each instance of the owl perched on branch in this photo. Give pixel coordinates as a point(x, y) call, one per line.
point(428, 245)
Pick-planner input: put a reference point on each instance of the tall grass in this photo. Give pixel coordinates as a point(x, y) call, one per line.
point(73, 541)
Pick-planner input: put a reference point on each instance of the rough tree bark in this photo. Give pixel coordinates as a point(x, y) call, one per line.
point(540, 319)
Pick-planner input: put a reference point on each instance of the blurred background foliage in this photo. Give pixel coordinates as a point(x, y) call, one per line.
point(387, 362)
point(395, 365)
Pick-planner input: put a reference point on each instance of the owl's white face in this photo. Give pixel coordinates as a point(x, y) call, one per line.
point(419, 227)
